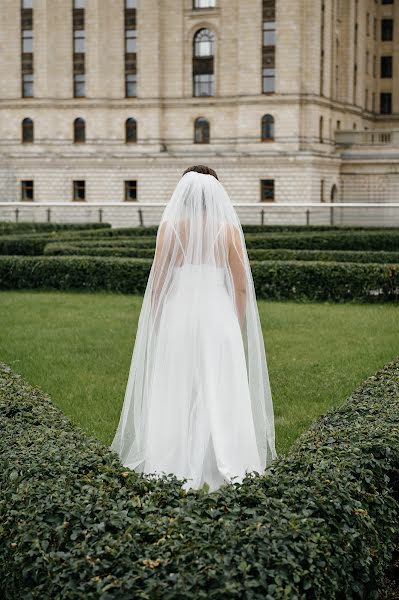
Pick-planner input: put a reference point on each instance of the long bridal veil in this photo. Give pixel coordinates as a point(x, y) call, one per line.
point(199, 233)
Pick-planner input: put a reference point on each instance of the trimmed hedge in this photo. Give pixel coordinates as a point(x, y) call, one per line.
point(7, 227)
point(321, 522)
point(272, 279)
point(379, 240)
point(127, 248)
point(306, 228)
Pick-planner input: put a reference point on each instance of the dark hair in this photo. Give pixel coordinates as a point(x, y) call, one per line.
point(202, 169)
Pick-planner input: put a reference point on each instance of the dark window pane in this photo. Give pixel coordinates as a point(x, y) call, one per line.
point(386, 66)
point(386, 103)
point(27, 190)
point(79, 130)
point(387, 2)
point(201, 131)
point(131, 130)
point(386, 30)
point(130, 190)
point(79, 190)
point(267, 189)
point(27, 130)
point(267, 128)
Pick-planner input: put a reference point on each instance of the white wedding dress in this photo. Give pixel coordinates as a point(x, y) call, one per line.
point(215, 440)
point(198, 402)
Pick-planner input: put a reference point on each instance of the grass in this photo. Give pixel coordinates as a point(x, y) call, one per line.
point(77, 346)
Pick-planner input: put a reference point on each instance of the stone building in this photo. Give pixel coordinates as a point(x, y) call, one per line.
point(110, 100)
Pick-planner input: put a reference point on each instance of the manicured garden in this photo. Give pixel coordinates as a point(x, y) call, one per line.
point(322, 522)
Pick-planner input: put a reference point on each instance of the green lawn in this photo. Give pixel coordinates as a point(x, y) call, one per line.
point(77, 346)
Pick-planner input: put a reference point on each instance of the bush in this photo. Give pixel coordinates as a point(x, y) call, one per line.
point(308, 228)
point(31, 227)
point(130, 248)
point(352, 240)
point(321, 522)
point(272, 279)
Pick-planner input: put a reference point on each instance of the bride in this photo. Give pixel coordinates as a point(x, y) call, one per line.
point(198, 402)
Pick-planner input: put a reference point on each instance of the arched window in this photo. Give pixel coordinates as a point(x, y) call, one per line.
point(267, 128)
point(201, 131)
point(203, 51)
point(27, 130)
point(333, 193)
point(321, 130)
point(79, 130)
point(131, 131)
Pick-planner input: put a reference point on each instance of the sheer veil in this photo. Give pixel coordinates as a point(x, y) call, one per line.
point(199, 230)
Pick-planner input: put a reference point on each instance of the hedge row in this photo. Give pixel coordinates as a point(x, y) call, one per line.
point(30, 226)
point(131, 249)
point(272, 279)
point(321, 522)
point(369, 241)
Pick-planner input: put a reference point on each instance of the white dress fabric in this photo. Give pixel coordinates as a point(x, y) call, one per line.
point(198, 401)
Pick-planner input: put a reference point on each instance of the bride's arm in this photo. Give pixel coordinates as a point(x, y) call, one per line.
point(236, 262)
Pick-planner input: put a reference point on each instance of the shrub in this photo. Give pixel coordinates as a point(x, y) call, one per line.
point(272, 279)
point(321, 522)
point(333, 240)
point(31, 227)
point(130, 248)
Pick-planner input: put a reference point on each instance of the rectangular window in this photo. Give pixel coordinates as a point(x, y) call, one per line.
point(79, 86)
point(27, 40)
point(387, 2)
point(79, 3)
point(27, 3)
point(386, 103)
point(203, 85)
point(131, 85)
point(267, 190)
point(386, 66)
point(131, 190)
point(79, 190)
point(386, 30)
point(321, 190)
point(203, 4)
point(27, 190)
point(268, 80)
point(27, 85)
point(79, 40)
point(269, 33)
point(130, 40)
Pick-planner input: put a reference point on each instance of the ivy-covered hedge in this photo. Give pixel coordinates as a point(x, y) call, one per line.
point(321, 522)
point(7, 227)
point(130, 248)
point(272, 279)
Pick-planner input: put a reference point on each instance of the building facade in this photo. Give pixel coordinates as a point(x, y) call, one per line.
point(110, 100)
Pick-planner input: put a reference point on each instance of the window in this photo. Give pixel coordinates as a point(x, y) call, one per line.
point(386, 66)
point(386, 103)
point(386, 30)
point(79, 190)
point(27, 130)
point(267, 128)
point(387, 2)
point(131, 131)
point(201, 131)
point(27, 85)
point(130, 190)
point(321, 190)
point(27, 190)
point(27, 3)
point(131, 85)
point(79, 40)
point(203, 4)
point(338, 125)
point(130, 49)
point(268, 46)
point(79, 86)
point(267, 190)
point(203, 50)
point(79, 130)
point(27, 40)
